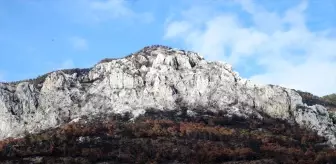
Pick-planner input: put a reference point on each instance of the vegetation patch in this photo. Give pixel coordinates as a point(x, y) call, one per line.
point(170, 137)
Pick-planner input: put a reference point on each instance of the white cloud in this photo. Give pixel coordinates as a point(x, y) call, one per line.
point(100, 11)
point(113, 8)
point(282, 44)
point(60, 65)
point(177, 28)
point(67, 64)
point(79, 43)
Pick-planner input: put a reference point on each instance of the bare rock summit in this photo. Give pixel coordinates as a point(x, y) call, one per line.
point(156, 77)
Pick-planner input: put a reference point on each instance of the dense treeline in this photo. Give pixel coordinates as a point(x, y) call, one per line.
point(170, 137)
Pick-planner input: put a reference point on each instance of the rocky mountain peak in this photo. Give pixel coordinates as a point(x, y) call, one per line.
point(155, 78)
point(161, 55)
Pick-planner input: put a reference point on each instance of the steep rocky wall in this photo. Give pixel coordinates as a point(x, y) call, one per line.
point(156, 77)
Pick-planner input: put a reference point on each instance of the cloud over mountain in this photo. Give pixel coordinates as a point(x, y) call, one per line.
point(279, 44)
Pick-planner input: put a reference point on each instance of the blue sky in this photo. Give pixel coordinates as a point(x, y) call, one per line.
point(289, 42)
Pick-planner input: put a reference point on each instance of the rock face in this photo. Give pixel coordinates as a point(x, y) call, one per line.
point(156, 77)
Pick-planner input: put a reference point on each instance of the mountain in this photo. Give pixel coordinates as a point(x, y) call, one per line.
point(160, 105)
point(331, 99)
point(326, 101)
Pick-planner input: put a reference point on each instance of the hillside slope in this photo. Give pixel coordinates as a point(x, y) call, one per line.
point(160, 79)
point(170, 137)
point(328, 101)
point(331, 99)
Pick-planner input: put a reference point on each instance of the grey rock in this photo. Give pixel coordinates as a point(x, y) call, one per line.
point(156, 77)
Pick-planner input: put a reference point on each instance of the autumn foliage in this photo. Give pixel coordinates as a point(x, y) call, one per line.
point(168, 138)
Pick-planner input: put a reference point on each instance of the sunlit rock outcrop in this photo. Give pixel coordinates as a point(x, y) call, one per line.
point(156, 77)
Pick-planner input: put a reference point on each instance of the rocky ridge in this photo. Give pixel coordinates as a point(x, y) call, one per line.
point(156, 77)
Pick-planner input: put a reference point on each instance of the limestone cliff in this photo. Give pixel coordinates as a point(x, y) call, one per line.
point(156, 77)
